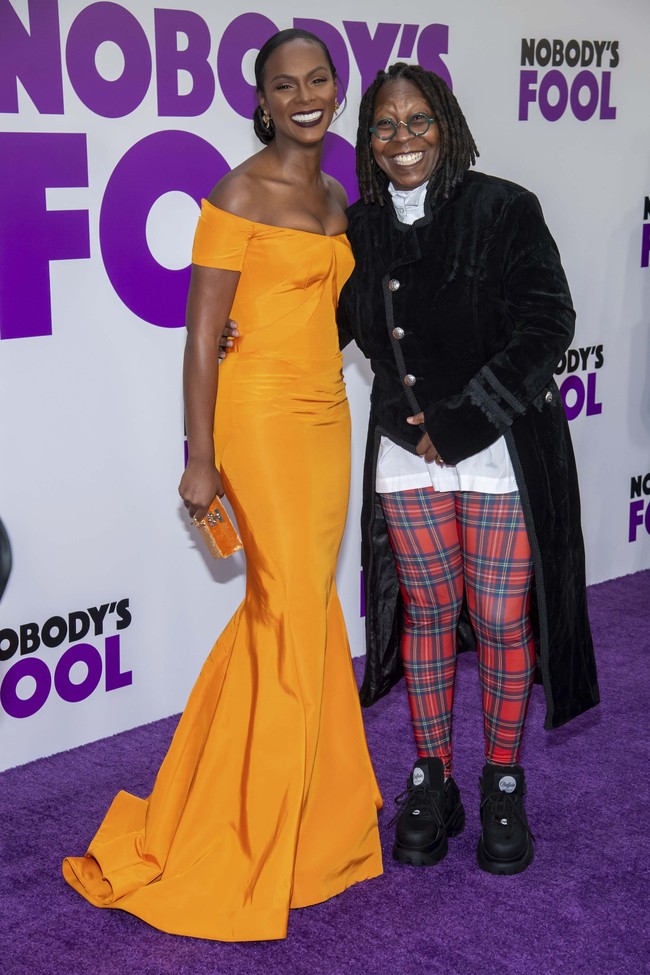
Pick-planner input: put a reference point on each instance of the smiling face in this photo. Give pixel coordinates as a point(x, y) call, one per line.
point(299, 90)
point(408, 160)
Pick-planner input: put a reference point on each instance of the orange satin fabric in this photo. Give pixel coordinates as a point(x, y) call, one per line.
point(266, 799)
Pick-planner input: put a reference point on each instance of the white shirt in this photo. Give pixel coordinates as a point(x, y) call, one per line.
point(489, 472)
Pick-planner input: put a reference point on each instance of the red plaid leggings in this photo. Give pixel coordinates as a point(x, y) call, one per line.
point(444, 543)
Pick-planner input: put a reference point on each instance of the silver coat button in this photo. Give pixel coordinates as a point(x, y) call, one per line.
point(398, 333)
point(409, 380)
point(549, 397)
point(393, 284)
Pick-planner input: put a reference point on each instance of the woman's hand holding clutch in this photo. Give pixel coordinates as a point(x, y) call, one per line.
point(200, 483)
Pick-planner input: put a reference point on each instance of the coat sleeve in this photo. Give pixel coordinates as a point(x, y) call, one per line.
point(538, 327)
point(345, 311)
point(342, 315)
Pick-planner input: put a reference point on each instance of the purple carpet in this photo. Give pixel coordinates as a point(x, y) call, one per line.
point(581, 907)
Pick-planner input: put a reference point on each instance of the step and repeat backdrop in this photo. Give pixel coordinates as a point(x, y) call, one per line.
point(115, 119)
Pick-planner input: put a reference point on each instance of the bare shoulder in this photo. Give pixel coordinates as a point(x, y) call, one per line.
point(337, 191)
point(238, 192)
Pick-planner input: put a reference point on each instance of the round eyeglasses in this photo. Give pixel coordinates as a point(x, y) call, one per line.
point(385, 129)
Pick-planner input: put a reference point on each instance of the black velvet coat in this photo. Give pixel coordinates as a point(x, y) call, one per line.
point(464, 316)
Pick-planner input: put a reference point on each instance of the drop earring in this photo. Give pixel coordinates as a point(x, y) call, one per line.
point(266, 119)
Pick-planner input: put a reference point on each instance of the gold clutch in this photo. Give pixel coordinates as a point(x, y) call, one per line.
point(218, 531)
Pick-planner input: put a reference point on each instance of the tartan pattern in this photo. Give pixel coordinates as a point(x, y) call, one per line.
point(447, 543)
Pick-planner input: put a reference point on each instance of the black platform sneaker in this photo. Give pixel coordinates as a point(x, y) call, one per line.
point(506, 843)
point(430, 811)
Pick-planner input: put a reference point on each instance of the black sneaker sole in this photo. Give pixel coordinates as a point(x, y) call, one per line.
point(421, 858)
point(429, 856)
point(504, 868)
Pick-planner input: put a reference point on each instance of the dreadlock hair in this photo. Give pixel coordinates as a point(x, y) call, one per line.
point(457, 147)
point(263, 133)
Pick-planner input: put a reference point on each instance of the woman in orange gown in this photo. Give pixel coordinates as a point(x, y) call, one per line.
point(266, 799)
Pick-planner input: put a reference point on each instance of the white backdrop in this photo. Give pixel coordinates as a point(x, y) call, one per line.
point(121, 118)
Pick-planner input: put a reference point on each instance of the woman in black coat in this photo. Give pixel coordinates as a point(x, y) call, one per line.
point(471, 520)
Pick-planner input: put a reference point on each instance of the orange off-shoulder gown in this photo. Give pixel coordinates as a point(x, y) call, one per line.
point(266, 799)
